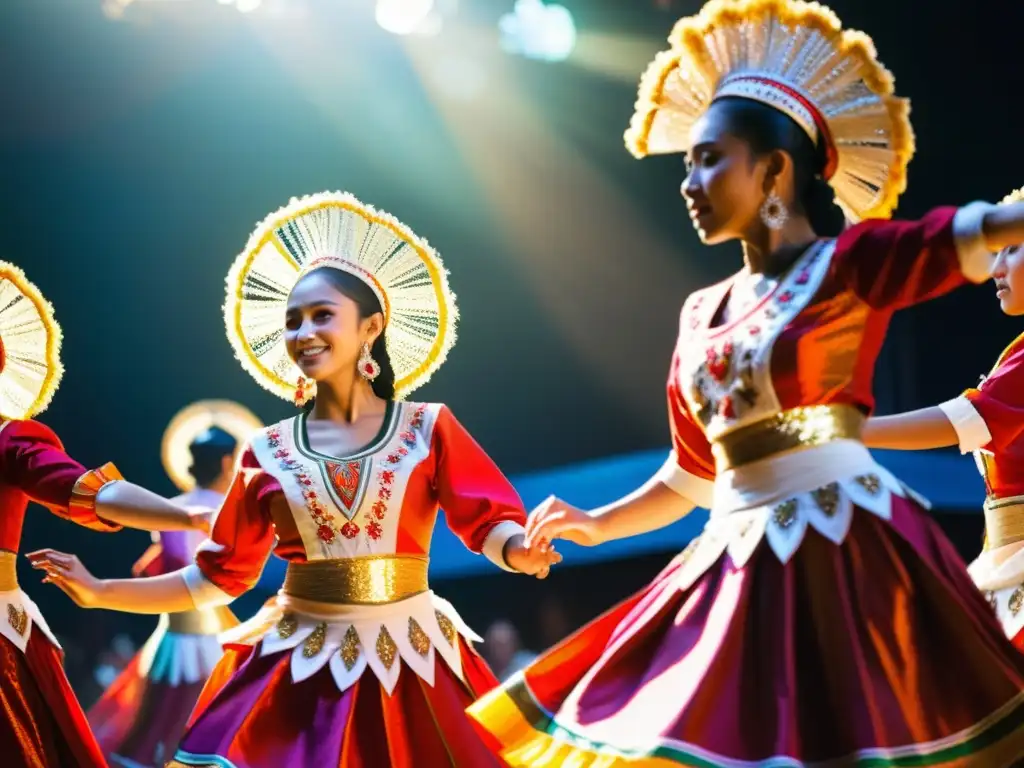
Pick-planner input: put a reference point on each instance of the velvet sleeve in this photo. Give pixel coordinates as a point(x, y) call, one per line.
point(230, 562)
point(895, 264)
point(33, 459)
point(991, 416)
point(480, 504)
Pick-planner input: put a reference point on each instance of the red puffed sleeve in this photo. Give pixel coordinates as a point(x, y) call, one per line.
point(895, 264)
point(231, 561)
point(34, 461)
point(991, 417)
point(690, 467)
point(480, 504)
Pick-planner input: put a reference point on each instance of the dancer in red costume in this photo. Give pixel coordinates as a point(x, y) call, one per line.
point(987, 421)
point(41, 722)
point(820, 617)
point(140, 718)
point(358, 664)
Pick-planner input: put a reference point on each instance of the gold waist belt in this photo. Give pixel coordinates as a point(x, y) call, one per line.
point(8, 571)
point(370, 580)
point(1004, 521)
point(796, 428)
point(208, 621)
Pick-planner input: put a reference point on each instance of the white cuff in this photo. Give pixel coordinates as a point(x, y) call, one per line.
point(205, 594)
point(692, 488)
point(971, 429)
point(975, 257)
point(494, 544)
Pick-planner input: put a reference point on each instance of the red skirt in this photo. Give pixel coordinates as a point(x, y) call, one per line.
point(41, 722)
point(876, 652)
point(252, 715)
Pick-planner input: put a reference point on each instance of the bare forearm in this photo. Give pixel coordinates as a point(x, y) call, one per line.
point(652, 506)
point(157, 594)
point(129, 505)
point(918, 430)
point(1003, 226)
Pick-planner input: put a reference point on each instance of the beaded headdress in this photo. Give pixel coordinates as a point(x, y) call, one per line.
point(30, 367)
point(190, 423)
point(795, 57)
point(334, 229)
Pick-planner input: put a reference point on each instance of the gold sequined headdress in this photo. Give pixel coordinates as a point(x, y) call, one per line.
point(334, 229)
point(190, 423)
point(793, 56)
point(30, 368)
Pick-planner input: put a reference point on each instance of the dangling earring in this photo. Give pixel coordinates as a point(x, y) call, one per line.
point(369, 368)
point(773, 211)
point(303, 391)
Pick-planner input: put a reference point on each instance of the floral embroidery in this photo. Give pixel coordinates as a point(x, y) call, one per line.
point(386, 476)
point(724, 382)
point(324, 520)
point(349, 530)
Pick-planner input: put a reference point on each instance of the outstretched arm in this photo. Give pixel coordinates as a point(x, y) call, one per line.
point(33, 460)
point(132, 506)
point(156, 594)
point(480, 504)
point(919, 430)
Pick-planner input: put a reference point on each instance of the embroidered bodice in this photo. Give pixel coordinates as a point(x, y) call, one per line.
point(815, 338)
point(382, 500)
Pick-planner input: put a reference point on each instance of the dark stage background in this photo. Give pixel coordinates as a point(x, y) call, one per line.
point(137, 155)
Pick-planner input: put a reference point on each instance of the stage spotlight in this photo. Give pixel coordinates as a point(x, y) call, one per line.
point(403, 17)
point(538, 31)
point(248, 6)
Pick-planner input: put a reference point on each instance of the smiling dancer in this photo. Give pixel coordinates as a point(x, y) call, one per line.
point(358, 663)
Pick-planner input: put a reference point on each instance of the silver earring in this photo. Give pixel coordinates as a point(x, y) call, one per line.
point(773, 212)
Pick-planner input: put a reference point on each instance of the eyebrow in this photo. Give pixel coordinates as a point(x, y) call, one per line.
point(310, 305)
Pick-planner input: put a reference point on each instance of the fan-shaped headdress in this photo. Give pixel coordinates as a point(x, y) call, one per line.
point(30, 367)
point(793, 56)
point(190, 423)
point(334, 229)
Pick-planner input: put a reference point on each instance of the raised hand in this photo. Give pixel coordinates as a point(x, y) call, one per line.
point(554, 519)
point(67, 572)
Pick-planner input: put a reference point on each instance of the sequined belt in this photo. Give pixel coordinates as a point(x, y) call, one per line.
point(208, 621)
point(8, 571)
point(369, 580)
point(796, 428)
point(1004, 521)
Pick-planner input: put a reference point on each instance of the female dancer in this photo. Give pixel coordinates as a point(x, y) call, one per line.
point(41, 721)
point(358, 663)
point(140, 718)
point(988, 421)
point(817, 618)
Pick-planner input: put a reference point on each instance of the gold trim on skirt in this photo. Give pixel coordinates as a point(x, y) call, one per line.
point(803, 427)
point(368, 580)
